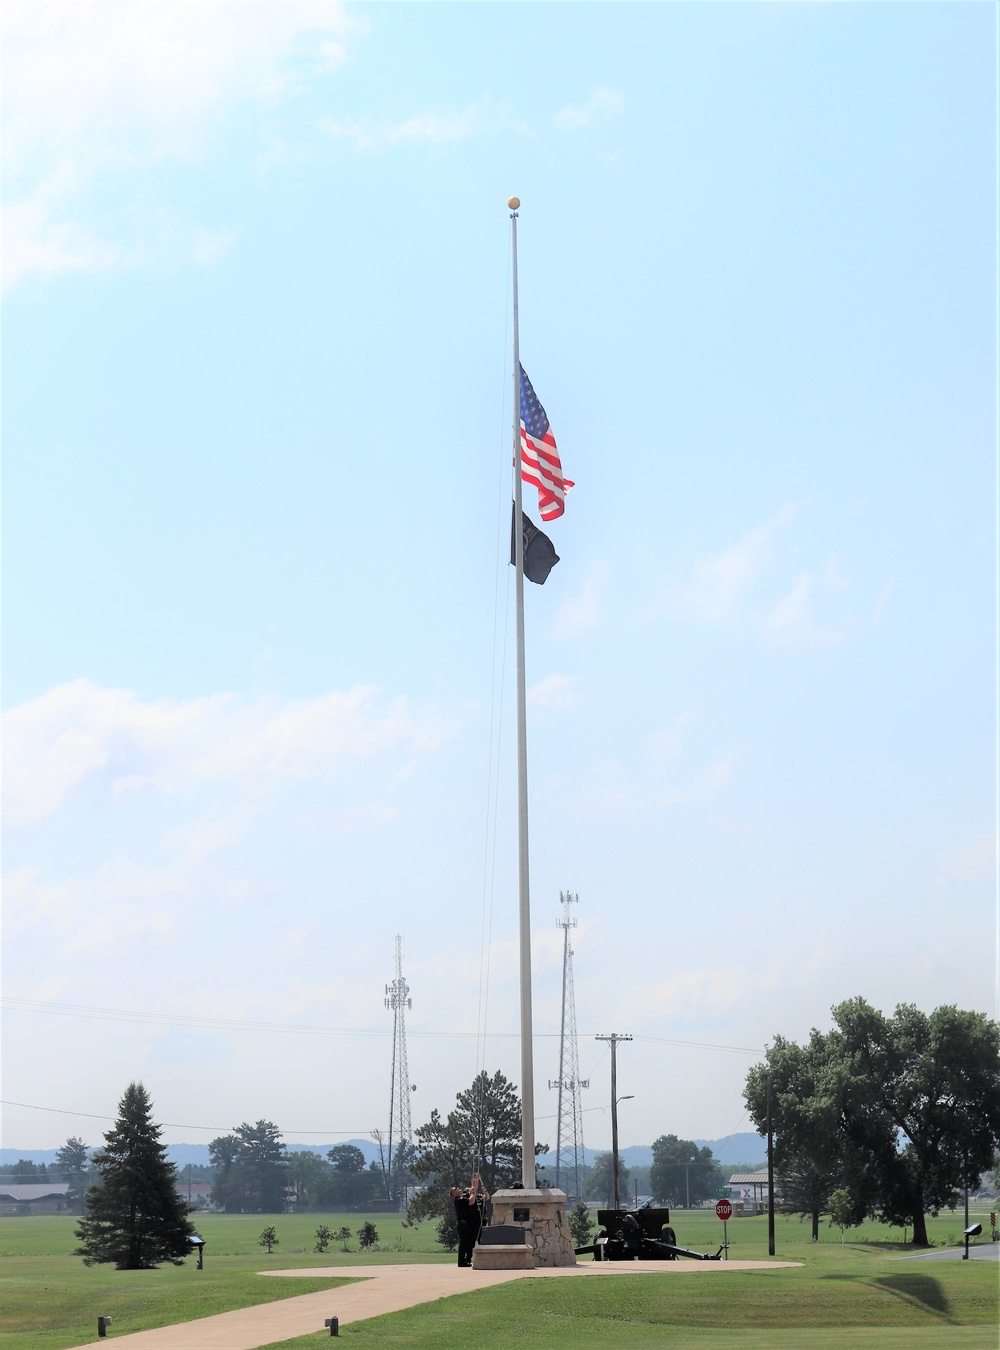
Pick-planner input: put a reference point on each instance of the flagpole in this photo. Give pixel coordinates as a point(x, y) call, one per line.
point(524, 906)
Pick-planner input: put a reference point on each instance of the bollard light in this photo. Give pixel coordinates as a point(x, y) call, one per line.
point(102, 1325)
point(334, 1324)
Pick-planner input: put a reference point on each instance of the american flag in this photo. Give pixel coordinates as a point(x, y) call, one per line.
point(539, 457)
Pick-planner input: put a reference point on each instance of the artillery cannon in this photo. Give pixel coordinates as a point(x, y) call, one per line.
point(640, 1235)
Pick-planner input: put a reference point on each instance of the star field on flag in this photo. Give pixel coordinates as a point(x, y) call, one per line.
point(540, 464)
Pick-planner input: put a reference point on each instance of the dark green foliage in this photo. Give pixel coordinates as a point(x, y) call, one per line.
point(368, 1235)
point(600, 1182)
point(900, 1112)
point(930, 1084)
point(446, 1231)
point(268, 1238)
point(348, 1183)
point(581, 1225)
point(251, 1171)
point(482, 1134)
point(134, 1217)
point(307, 1175)
point(324, 1236)
point(682, 1173)
point(73, 1159)
point(343, 1234)
point(25, 1171)
point(843, 1210)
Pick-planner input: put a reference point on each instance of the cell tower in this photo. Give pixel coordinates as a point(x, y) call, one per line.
point(400, 1131)
point(570, 1160)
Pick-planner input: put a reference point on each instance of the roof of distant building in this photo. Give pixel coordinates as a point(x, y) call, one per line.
point(37, 1190)
point(748, 1178)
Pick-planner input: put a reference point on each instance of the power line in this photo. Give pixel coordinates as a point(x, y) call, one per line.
point(173, 1124)
point(309, 1029)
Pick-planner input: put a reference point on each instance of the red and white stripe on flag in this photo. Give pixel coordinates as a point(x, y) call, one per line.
point(541, 466)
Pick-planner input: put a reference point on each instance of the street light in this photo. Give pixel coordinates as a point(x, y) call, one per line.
point(614, 1138)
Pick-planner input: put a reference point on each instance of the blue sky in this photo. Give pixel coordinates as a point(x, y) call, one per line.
point(256, 472)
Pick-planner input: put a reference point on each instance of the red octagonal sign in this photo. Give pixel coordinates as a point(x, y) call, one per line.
point(724, 1209)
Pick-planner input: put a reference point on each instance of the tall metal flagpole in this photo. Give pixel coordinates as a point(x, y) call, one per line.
point(524, 906)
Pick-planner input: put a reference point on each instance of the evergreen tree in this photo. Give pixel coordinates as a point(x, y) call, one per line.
point(72, 1159)
point(251, 1170)
point(482, 1134)
point(134, 1217)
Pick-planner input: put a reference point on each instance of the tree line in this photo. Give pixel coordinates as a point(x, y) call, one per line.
point(883, 1116)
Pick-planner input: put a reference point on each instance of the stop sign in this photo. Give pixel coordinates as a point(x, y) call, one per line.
point(724, 1209)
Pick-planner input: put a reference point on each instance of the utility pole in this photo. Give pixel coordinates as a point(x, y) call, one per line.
point(614, 1038)
point(770, 1174)
point(569, 1108)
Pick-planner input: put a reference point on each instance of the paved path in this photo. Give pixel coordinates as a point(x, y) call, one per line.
point(380, 1289)
point(986, 1251)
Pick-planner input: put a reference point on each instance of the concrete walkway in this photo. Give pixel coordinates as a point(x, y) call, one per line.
point(380, 1289)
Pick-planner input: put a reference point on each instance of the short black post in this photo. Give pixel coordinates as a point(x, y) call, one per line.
point(102, 1325)
point(334, 1324)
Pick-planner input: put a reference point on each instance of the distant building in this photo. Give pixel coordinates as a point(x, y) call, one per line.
point(194, 1192)
point(747, 1192)
point(37, 1197)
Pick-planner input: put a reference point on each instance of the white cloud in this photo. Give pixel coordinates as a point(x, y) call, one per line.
point(585, 611)
point(80, 731)
point(723, 580)
point(691, 996)
point(792, 618)
point(430, 127)
point(603, 105)
point(975, 864)
point(93, 87)
point(555, 691)
point(423, 128)
point(665, 745)
point(708, 783)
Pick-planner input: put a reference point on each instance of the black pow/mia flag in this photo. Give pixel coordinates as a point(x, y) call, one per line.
point(539, 555)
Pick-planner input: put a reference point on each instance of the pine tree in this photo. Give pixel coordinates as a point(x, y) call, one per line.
point(135, 1217)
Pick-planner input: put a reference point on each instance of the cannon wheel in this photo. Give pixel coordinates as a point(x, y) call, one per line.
point(668, 1236)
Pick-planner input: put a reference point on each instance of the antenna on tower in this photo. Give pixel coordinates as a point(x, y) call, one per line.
point(400, 1131)
point(570, 1159)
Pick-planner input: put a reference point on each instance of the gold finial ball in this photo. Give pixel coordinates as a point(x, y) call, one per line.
point(513, 202)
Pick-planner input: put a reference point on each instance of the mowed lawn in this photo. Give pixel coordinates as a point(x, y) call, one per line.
point(49, 1299)
point(855, 1295)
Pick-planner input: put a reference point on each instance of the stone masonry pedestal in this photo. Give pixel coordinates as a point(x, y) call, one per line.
point(542, 1215)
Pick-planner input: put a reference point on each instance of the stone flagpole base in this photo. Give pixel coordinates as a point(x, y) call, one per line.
point(545, 1238)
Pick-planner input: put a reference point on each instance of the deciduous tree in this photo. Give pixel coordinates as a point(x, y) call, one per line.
point(349, 1182)
point(899, 1111)
point(932, 1083)
point(134, 1217)
point(682, 1173)
point(600, 1180)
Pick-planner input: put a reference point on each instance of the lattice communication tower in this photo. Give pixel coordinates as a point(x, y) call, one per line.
point(397, 1000)
point(570, 1160)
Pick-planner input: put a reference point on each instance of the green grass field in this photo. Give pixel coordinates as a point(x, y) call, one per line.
point(855, 1295)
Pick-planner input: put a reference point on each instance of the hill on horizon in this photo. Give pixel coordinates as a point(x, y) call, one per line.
point(736, 1148)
